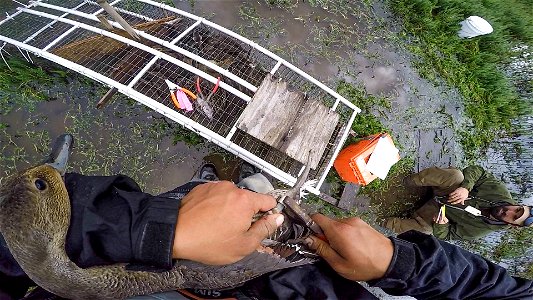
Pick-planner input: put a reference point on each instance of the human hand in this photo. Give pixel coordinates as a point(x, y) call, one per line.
point(442, 220)
point(215, 223)
point(354, 249)
point(458, 196)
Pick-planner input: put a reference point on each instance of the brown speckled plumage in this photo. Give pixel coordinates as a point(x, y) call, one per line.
point(35, 223)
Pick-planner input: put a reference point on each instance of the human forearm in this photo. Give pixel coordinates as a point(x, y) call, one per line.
point(426, 268)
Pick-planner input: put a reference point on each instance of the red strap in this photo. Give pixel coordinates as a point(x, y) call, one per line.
point(216, 85)
point(198, 84)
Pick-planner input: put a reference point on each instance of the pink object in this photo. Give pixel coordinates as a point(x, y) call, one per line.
point(182, 98)
point(179, 96)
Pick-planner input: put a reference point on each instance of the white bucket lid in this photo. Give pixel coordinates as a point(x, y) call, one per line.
point(479, 24)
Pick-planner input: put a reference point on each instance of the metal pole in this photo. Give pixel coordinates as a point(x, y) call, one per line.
point(114, 14)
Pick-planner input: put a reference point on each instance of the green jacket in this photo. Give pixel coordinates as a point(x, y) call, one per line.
point(463, 225)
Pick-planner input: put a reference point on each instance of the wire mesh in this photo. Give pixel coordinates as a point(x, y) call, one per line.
point(50, 34)
point(123, 62)
point(104, 55)
point(22, 26)
point(65, 3)
point(267, 153)
point(226, 107)
point(311, 90)
point(88, 8)
point(228, 53)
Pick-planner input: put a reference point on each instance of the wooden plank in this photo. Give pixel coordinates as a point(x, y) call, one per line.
point(285, 121)
point(311, 130)
point(105, 99)
point(350, 200)
point(328, 198)
point(271, 112)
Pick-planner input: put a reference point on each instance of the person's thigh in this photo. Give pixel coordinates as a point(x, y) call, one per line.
point(427, 211)
point(399, 225)
point(442, 180)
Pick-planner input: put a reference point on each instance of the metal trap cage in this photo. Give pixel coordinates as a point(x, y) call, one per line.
point(180, 47)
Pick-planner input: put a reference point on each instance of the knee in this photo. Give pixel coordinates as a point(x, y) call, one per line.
point(455, 176)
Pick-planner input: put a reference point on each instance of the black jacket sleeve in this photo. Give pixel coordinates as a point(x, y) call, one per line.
point(112, 221)
point(427, 268)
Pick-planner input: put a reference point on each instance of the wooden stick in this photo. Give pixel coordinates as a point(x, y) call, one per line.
point(103, 101)
point(115, 15)
point(105, 23)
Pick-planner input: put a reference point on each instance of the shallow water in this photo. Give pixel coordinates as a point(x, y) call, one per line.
point(357, 44)
point(333, 44)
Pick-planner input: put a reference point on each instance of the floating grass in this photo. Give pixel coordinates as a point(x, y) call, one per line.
point(22, 84)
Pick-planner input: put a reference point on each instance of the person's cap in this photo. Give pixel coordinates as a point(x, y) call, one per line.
point(526, 219)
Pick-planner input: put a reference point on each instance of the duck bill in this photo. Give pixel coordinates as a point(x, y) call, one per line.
point(60, 153)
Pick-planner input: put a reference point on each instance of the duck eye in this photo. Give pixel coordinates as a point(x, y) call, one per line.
point(40, 184)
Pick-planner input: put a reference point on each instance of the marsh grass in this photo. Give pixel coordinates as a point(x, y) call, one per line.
point(256, 27)
point(22, 84)
point(366, 123)
point(285, 4)
point(118, 139)
point(474, 66)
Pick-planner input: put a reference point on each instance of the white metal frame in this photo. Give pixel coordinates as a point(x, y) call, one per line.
point(160, 108)
point(170, 45)
point(128, 90)
point(141, 47)
point(257, 47)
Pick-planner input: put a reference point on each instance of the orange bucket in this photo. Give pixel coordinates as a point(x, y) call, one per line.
point(351, 161)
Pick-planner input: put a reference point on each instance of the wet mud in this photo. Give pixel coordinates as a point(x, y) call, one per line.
point(355, 42)
point(358, 44)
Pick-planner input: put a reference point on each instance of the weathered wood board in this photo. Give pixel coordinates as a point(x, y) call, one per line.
point(287, 121)
point(271, 112)
point(350, 199)
point(311, 130)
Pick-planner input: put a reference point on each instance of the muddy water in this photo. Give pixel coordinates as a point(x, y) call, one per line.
point(353, 43)
point(365, 53)
point(123, 138)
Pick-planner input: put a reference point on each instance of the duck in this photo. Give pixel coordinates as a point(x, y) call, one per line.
point(34, 220)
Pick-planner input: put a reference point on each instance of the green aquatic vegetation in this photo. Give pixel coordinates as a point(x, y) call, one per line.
point(365, 123)
point(22, 84)
point(474, 66)
point(514, 244)
point(285, 4)
point(257, 28)
point(182, 134)
point(403, 167)
point(314, 203)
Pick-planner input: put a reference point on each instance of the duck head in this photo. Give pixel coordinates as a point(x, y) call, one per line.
point(34, 205)
point(35, 217)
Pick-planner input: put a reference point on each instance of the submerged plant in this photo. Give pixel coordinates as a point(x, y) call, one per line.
point(22, 84)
